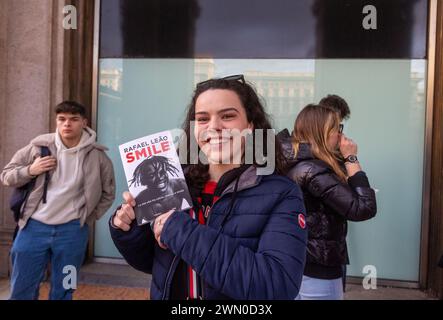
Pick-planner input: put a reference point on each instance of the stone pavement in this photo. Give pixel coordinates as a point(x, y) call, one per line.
point(357, 292)
point(88, 292)
point(106, 292)
point(99, 281)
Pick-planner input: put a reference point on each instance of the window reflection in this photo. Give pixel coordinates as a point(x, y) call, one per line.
point(286, 86)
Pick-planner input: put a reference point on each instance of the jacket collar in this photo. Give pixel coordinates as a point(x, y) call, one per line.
point(248, 179)
point(304, 152)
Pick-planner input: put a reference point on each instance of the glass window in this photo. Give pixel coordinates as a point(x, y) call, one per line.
point(152, 53)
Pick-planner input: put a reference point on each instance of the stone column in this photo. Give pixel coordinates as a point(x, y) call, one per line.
point(31, 83)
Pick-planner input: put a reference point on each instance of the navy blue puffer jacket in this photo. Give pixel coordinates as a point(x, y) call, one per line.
point(258, 253)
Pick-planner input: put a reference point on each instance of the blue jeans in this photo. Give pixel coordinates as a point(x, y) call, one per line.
point(36, 245)
point(320, 289)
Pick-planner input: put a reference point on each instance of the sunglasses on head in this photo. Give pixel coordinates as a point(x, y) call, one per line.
point(236, 77)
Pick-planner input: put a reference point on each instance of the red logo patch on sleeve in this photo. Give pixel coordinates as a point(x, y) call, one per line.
point(301, 221)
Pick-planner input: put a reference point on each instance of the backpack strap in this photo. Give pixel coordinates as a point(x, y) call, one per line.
point(44, 153)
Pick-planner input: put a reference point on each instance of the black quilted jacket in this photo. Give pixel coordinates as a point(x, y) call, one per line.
point(329, 204)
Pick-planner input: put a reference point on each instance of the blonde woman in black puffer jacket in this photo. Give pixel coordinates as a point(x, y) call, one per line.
point(334, 193)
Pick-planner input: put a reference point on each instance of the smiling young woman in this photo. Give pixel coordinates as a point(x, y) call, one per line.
point(243, 227)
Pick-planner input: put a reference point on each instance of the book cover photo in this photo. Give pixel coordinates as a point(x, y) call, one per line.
point(154, 175)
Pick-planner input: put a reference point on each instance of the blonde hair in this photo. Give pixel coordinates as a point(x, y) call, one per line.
point(314, 125)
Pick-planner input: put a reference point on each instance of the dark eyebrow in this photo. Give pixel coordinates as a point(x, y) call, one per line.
point(201, 113)
point(228, 109)
point(221, 111)
point(73, 117)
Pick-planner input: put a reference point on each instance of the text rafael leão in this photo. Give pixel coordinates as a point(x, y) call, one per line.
point(146, 149)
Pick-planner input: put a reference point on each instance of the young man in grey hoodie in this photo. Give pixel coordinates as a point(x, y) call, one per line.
point(81, 188)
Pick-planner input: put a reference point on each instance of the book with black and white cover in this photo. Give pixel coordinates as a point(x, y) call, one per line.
point(154, 175)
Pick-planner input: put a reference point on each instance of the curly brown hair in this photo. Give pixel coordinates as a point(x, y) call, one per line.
point(197, 174)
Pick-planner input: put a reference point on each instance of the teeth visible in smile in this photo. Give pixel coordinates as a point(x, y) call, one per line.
point(218, 141)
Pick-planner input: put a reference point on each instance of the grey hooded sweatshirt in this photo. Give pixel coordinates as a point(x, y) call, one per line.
point(81, 187)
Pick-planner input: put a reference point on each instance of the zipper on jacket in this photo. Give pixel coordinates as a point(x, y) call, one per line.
point(231, 204)
point(202, 284)
point(215, 202)
point(167, 286)
point(207, 223)
point(175, 258)
point(212, 207)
